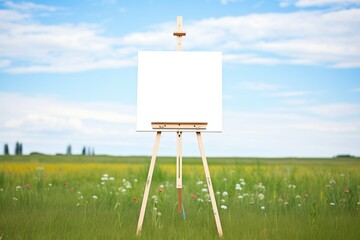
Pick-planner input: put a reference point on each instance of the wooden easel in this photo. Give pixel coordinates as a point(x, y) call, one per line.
point(179, 127)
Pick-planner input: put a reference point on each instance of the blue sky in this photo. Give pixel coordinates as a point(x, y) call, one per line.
point(291, 74)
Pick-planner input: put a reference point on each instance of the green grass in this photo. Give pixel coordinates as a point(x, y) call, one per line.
point(52, 197)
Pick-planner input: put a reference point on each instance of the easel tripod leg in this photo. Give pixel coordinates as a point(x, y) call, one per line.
point(148, 183)
point(208, 180)
point(179, 169)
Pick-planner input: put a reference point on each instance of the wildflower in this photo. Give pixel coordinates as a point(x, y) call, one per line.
point(204, 190)
point(27, 186)
point(102, 183)
point(1, 189)
point(78, 204)
point(262, 207)
point(123, 190)
point(223, 207)
point(332, 181)
point(111, 178)
point(50, 185)
point(135, 180)
point(238, 187)
point(193, 196)
point(161, 186)
point(298, 196)
point(200, 200)
point(358, 203)
point(155, 209)
point(94, 197)
point(200, 183)
point(104, 178)
point(291, 186)
point(222, 200)
point(246, 194)
point(66, 184)
point(243, 183)
point(207, 196)
point(135, 199)
point(224, 193)
point(18, 188)
point(346, 190)
point(299, 205)
point(332, 204)
point(154, 198)
point(105, 175)
point(286, 203)
point(218, 193)
point(159, 214)
point(240, 196)
point(261, 196)
point(15, 199)
point(241, 180)
point(123, 180)
point(128, 184)
point(225, 179)
point(160, 190)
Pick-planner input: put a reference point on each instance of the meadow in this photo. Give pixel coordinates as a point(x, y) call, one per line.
point(99, 197)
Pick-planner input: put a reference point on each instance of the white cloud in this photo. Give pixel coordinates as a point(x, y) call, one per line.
point(28, 6)
point(290, 94)
point(47, 124)
point(311, 3)
point(257, 86)
point(271, 38)
point(336, 109)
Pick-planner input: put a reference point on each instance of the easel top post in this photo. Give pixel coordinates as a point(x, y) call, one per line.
point(179, 33)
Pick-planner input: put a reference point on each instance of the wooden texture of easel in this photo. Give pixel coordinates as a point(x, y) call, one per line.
point(179, 127)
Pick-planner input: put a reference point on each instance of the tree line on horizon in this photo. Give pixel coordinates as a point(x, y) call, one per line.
point(86, 151)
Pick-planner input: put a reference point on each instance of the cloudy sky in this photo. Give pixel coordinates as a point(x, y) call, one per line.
point(291, 74)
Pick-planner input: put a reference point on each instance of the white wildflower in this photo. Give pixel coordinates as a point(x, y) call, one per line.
point(223, 207)
point(240, 196)
point(332, 204)
point(50, 185)
point(218, 193)
point(246, 194)
point(94, 197)
point(123, 190)
point(135, 180)
point(286, 203)
point(223, 200)
point(154, 198)
point(200, 183)
point(225, 193)
point(298, 196)
point(104, 178)
point(105, 175)
point(159, 214)
point(161, 186)
point(102, 183)
point(155, 209)
point(225, 179)
point(262, 207)
point(241, 180)
point(18, 188)
point(243, 183)
point(123, 180)
point(291, 186)
point(78, 204)
point(200, 200)
point(332, 181)
point(1, 189)
point(15, 199)
point(238, 187)
point(111, 178)
point(261, 196)
point(204, 190)
point(299, 205)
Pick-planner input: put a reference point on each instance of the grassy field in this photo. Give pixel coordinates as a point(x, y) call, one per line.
point(78, 197)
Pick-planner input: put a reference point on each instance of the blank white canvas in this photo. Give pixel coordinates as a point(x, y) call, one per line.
point(176, 86)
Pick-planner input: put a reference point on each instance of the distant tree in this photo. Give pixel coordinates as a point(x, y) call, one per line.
point(68, 150)
point(20, 149)
point(88, 151)
point(6, 149)
point(17, 148)
point(93, 152)
point(84, 151)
